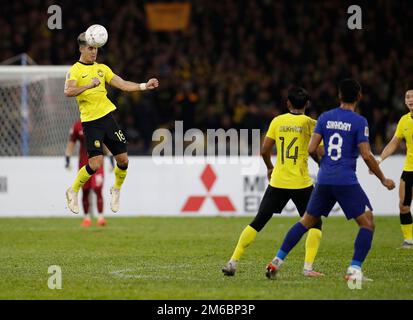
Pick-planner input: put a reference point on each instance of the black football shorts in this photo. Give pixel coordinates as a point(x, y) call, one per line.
point(106, 131)
point(274, 201)
point(407, 177)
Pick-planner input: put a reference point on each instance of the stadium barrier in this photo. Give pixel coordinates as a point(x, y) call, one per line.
point(35, 186)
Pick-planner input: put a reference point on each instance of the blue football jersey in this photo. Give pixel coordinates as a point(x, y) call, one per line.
point(342, 131)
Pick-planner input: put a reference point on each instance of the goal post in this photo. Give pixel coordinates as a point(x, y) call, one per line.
point(35, 115)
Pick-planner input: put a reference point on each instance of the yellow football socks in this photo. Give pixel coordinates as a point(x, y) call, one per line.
point(311, 246)
point(407, 230)
point(82, 177)
point(406, 224)
point(246, 238)
point(120, 175)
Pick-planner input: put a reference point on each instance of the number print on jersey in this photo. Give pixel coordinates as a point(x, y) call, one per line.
point(335, 145)
point(288, 155)
point(120, 135)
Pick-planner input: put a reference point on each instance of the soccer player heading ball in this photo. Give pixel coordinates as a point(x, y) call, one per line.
point(86, 81)
point(345, 134)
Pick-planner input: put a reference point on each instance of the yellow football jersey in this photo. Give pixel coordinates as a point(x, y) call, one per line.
point(93, 103)
point(292, 134)
point(405, 131)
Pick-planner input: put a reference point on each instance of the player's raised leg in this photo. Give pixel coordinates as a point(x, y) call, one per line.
point(405, 196)
point(121, 171)
point(82, 177)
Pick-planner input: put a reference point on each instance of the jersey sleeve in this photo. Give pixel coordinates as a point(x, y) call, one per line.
point(399, 130)
point(311, 127)
point(72, 74)
point(271, 130)
point(363, 131)
point(108, 73)
point(313, 124)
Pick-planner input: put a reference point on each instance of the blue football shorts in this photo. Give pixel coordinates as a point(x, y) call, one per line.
point(351, 198)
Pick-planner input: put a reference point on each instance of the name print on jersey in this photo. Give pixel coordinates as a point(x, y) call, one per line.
point(338, 125)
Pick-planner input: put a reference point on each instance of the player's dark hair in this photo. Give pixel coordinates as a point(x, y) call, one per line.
point(81, 39)
point(298, 97)
point(349, 90)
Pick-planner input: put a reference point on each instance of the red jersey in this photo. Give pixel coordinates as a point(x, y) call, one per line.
point(76, 134)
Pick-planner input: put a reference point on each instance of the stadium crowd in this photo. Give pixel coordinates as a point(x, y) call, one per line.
point(232, 67)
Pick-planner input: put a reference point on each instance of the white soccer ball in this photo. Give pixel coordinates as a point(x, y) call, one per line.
point(96, 35)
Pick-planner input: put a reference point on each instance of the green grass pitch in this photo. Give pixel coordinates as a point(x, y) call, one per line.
point(181, 258)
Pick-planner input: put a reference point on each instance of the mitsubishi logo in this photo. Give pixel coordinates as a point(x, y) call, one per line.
point(222, 202)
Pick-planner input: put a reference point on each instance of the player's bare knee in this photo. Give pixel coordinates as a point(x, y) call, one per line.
point(96, 165)
point(308, 221)
point(122, 160)
point(367, 225)
point(369, 222)
point(96, 162)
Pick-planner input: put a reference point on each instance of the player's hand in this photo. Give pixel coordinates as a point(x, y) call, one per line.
point(269, 173)
point(388, 183)
point(95, 82)
point(152, 84)
point(68, 167)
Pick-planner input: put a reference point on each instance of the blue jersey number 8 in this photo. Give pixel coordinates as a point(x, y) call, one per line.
point(335, 143)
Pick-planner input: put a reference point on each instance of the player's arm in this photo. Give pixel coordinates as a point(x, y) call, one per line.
point(73, 137)
point(314, 149)
point(68, 153)
point(72, 90)
point(390, 148)
point(124, 85)
point(320, 151)
point(368, 157)
point(266, 150)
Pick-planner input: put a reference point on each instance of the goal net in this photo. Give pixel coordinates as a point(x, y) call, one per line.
point(35, 115)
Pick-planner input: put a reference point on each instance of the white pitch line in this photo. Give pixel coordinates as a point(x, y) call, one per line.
point(123, 274)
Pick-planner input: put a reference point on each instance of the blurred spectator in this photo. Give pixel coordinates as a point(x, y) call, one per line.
point(232, 66)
